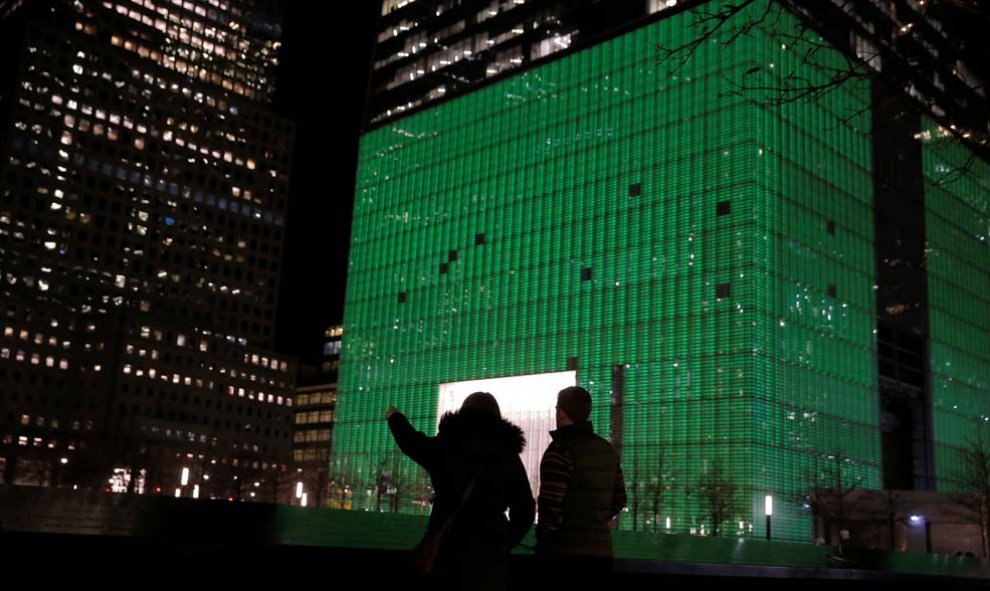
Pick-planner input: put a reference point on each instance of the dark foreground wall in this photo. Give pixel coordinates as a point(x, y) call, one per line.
point(95, 537)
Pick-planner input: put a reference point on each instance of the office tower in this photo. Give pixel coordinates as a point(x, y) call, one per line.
point(142, 200)
point(701, 226)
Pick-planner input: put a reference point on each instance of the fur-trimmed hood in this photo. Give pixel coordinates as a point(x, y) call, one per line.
point(481, 433)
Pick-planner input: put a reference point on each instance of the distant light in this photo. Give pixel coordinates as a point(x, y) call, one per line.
point(64, 460)
point(299, 490)
point(304, 498)
point(768, 505)
point(668, 522)
point(196, 492)
point(257, 484)
point(916, 518)
point(178, 492)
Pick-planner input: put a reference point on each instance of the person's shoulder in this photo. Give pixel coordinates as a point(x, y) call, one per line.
point(604, 443)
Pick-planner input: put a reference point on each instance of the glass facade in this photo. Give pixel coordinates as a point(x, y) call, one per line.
point(702, 259)
point(957, 197)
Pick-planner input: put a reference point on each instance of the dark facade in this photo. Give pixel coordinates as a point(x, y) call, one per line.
point(315, 408)
point(143, 184)
point(435, 48)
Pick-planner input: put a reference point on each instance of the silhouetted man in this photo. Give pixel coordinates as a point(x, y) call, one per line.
point(581, 492)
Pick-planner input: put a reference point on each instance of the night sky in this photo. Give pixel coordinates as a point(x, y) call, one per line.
point(321, 86)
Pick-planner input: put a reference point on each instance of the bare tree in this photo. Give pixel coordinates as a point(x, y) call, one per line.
point(727, 23)
point(340, 489)
point(854, 45)
point(835, 486)
point(636, 495)
point(973, 477)
point(657, 488)
point(719, 494)
point(890, 507)
point(651, 481)
point(389, 482)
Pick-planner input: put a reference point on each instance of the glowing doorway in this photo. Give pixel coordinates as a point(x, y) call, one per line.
point(529, 401)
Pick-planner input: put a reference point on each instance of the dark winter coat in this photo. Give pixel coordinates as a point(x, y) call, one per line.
point(475, 551)
point(581, 491)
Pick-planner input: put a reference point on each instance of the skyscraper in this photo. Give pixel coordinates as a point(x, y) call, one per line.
point(315, 402)
point(142, 199)
point(428, 50)
point(697, 218)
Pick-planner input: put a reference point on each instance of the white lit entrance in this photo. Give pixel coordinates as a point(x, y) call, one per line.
point(529, 401)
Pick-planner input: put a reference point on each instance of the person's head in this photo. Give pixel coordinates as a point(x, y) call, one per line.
point(481, 402)
point(573, 406)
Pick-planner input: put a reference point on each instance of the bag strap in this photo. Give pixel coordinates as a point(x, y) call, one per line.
point(464, 499)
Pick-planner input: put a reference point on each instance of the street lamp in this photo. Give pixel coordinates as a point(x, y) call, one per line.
point(185, 476)
point(919, 519)
point(768, 509)
point(299, 490)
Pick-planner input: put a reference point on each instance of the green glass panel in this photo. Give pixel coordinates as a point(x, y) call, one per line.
point(607, 160)
point(957, 224)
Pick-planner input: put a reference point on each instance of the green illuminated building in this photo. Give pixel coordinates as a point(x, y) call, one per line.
point(702, 259)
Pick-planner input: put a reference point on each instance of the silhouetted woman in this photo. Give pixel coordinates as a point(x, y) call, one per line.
point(473, 444)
